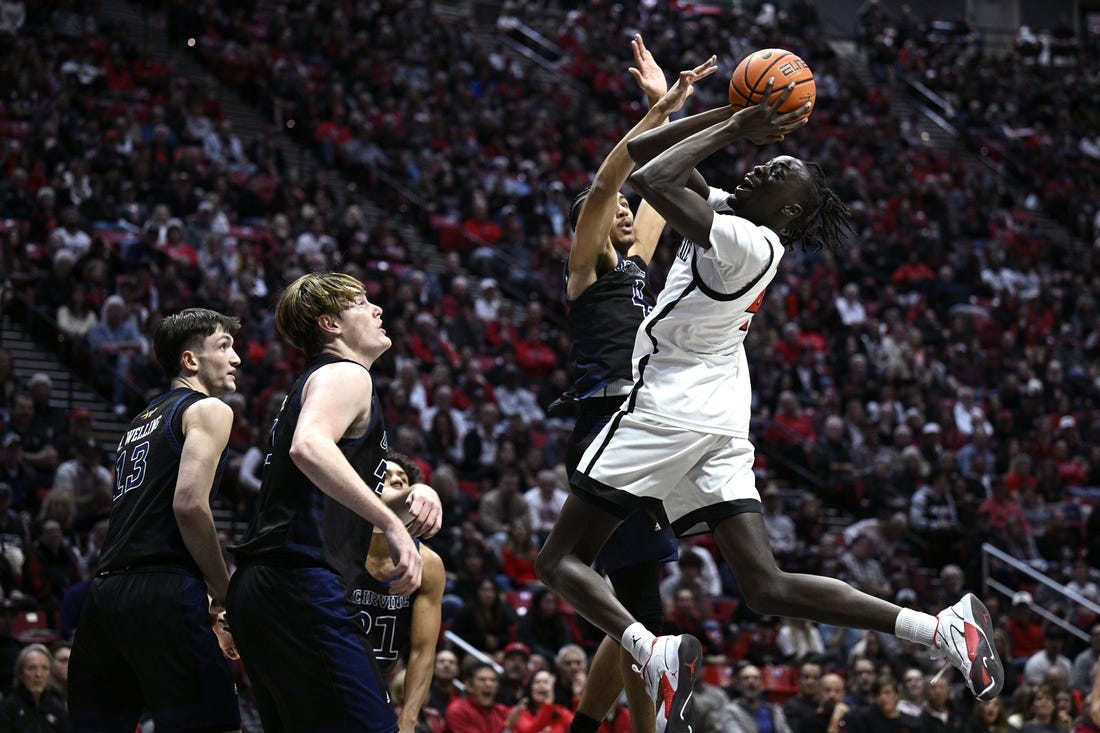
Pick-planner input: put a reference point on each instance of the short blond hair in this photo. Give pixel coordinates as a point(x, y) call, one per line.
point(307, 299)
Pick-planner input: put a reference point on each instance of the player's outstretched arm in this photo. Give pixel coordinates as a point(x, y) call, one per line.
point(664, 181)
point(590, 241)
point(426, 620)
point(327, 414)
point(206, 428)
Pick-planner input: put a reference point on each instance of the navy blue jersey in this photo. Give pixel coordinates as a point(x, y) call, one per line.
point(295, 522)
point(142, 530)
point(386, 617)
point(603, 322)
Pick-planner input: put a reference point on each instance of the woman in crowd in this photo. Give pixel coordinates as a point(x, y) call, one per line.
point(541, 715)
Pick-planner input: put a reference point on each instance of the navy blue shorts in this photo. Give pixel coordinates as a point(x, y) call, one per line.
point(640, 538)
point(309, 660)
point(144, 643)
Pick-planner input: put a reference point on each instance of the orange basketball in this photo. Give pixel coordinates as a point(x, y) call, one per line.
point(751, 77)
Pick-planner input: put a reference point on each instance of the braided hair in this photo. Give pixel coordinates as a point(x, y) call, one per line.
point(825, 221)
point(575, 207)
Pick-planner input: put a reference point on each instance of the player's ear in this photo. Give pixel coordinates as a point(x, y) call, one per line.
point(327, 322)
point(792, 210)
point(189, 360)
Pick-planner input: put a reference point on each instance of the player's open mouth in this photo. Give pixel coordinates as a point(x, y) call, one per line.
point(746, 185)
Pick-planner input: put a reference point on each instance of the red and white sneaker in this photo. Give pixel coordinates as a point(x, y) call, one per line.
point(669, 675)
point(964, 636)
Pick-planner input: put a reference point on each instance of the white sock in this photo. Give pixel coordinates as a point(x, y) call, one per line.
point(916, 626)
point(638, 640)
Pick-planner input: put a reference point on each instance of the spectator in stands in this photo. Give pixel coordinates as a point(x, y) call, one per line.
point(50, 568)
point(861, 569)
point(805, 710)
point(762, 648)
point(14, 532)
point(989, 716)
point(24, 481)
point(799, 640)
point(933, 517)
point(1085, 663)
point(861, 683)
point(478, 712)
point(499, 506)
point(1039, 663)
point(74, 317)
point(1042, 715)
point(883, 715)
point(89, 482)
point(442, 400)
point(1000, 504)
point(545, 499)
point(913, 689)
point(832, 462)
point(937, 714)
point(688, 614)
point(444, 674)
point(571, 669)
point(117, 348)
point(1018, 541)
point(749, 711)
point(59, 670)
point(517, 554)
point(541, 714)
point(514, 398)
point(36, 435)
point(53, 290)
point(792, 433)
point(457, 508)
point(488, 621)
point(514, 676)
point(781, 529)
point(689, 576)
point(34, 705)
point(48, 420)
point(1024, 629)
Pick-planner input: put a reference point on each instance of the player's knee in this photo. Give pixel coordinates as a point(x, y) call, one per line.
point(765, 593)
point(546, 568)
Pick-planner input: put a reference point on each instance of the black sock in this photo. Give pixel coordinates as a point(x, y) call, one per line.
point(583, 723)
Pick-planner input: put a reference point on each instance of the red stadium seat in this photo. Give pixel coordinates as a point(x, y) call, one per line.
point(780, 682)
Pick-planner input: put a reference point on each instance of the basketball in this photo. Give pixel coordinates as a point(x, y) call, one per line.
point(751, 77)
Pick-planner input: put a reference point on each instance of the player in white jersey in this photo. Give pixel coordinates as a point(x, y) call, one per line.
point(680, 442)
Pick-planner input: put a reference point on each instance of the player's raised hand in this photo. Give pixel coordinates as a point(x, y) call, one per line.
point(685, 84)
point(426, 511)
point(647, 72)
point(407, 565)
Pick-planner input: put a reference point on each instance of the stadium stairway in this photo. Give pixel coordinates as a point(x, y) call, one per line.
point(70, 392)
point(67, 390)
point(926, 121)
point(149, 28)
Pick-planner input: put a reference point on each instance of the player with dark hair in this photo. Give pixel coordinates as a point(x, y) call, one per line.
point(680, 444)
point(608, 297)
point(311, 664)
point(144, 640)
point(403, 628)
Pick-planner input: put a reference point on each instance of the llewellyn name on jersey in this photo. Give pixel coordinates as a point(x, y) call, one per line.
point(361, 597)
point(139, 433)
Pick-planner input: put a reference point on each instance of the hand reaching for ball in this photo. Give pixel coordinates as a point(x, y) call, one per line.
point(764, 122)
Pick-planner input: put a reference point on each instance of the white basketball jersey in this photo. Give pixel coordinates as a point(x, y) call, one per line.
point(689, 359)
